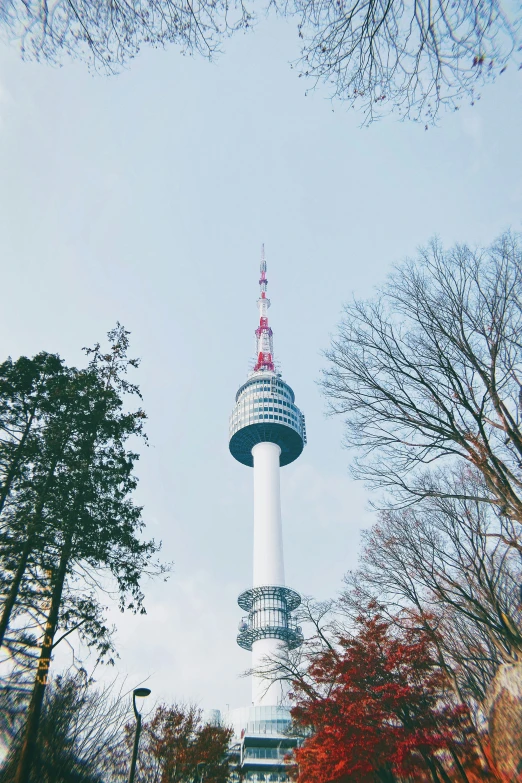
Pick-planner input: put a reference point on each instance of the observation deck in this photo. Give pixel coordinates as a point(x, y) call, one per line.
point(265, 411)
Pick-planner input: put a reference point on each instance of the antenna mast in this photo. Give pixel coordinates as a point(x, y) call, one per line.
point(264, 335)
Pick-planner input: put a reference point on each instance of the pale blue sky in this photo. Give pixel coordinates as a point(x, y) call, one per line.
point(145, 198)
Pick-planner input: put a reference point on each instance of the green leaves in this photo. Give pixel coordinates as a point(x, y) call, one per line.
point(69, 528)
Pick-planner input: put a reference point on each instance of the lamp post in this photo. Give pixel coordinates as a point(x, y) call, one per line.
point(140, 693)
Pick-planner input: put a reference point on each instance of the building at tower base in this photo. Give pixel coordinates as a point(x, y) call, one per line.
point(261, 743)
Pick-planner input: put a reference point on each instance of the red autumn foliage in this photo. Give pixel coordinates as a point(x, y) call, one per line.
point(380, 710)
point(177, 746)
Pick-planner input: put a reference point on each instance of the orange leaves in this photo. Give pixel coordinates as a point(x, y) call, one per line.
point(178, 747)
point(388, 711)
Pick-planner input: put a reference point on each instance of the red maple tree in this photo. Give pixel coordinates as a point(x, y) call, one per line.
point(380, 710)
point(178, 746)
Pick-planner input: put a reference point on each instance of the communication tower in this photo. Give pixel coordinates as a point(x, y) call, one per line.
point(267, 432)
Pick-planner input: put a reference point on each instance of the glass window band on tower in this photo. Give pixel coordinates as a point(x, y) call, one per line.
point(265, 411)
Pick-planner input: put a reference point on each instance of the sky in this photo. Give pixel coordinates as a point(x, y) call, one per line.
point(144, 198)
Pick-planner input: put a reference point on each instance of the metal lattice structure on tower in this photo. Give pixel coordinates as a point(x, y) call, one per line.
point(267, 431)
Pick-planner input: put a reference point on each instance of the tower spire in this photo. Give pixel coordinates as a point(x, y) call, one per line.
point(264, 335)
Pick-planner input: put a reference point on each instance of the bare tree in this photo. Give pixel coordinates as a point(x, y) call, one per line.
point(81, 729)
point(429, 373)
point(324, 625)
point(407, 57)
point(441, 562)
point(380, 55)
point(107, 33)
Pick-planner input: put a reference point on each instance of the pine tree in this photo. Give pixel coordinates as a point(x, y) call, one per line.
point(74, 518)
point(32, 438)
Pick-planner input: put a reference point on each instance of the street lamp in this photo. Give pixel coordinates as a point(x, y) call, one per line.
point(140, 693)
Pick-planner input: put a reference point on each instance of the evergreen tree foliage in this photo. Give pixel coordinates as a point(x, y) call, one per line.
point(69, 525)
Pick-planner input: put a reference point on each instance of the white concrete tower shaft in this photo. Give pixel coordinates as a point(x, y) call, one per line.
point(269, 568)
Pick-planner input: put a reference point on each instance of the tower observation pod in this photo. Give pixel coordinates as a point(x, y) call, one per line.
point(267, 431)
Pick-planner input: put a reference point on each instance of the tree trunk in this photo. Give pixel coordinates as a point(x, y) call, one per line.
point(28, 752)
point(433, 771)
point(504, 704)
point(385, 775)
point(26, 551)
point(442, 771)
point(6, 487)
point(14, 588)
point(459, 766)
point(435, 767)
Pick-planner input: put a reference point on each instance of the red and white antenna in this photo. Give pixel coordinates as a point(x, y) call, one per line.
point(265, 345)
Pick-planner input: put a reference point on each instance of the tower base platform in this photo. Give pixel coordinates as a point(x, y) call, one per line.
point(260, 743)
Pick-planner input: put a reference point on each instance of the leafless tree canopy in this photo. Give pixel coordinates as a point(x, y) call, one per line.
point(408, 57)
point(82, 729)
point(324, 624)
point(441, 566)
point(380, 55)
point(108, 32)
point(429, 375)
point(445, 562)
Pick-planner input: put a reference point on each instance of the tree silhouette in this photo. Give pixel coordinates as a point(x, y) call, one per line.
point(80, 728)
point(429, 373)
